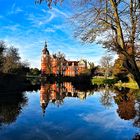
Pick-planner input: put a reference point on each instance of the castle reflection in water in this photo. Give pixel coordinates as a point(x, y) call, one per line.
point(56, 92)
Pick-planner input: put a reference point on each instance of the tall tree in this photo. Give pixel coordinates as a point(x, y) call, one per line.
point(117, 23)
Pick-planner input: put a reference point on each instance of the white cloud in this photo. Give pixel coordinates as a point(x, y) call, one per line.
point(15, 10)
point(18, 10)
point(49, 30)
point(45, 21)
point(46, 16)
point(59, 27)
point(41, 19)
point(60, 12)
point(57, 11)
point(107, 119)
point(14, 27)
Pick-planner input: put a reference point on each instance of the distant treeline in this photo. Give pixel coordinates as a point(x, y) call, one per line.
point(10, 61)
point(13, 71)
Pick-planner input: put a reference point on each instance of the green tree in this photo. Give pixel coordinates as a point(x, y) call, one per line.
point(34, 71)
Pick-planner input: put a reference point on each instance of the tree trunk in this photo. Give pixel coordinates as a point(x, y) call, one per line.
point(132, 67)
point(137, 78)
point(136, 75)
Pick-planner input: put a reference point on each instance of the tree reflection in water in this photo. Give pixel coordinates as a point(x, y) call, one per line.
point(106, 96)
point(11, 105)
point(128, 102)
point(137, 107)
point(136, 137)
point(125, 99)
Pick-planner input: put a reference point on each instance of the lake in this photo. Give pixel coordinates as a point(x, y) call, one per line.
point(59, 111)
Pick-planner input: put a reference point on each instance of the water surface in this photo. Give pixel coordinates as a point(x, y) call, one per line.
point(59, 111)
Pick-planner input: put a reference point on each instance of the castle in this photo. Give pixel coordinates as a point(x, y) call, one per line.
point(52, 64)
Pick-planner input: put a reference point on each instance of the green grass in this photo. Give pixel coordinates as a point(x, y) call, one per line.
point(102, 80)
point(131, 84)
point(98, 81)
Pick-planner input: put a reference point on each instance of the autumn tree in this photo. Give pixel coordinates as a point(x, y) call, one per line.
point(60, 62)
point(12, 60)
point(125, 99)
point(114, 23)
point(119, 71)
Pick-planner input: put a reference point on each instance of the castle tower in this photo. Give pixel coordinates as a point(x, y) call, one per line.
point(45, 61)
point(44, 97)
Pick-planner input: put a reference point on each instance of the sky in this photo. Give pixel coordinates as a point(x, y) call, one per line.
point(27, 26)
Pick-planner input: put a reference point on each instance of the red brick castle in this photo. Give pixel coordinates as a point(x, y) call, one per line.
point(51, 64)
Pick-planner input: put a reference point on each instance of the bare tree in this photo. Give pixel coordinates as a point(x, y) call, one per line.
point(49, 2)
point(106, 63)
point(106, 97)
point(115, 23)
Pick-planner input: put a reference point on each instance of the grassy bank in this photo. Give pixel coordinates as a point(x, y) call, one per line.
point(101, 81)
point(131, 84)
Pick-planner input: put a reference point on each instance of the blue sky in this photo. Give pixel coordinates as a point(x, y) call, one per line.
point(27, 26)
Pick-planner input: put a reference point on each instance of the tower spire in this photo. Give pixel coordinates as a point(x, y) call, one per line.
point(45, 44)
point(45, 50)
